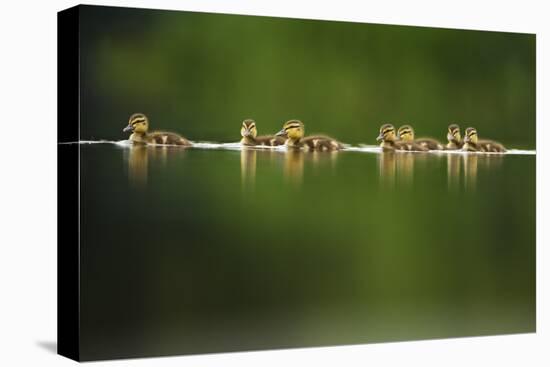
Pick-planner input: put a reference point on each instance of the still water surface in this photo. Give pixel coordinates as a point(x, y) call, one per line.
point(212, 250)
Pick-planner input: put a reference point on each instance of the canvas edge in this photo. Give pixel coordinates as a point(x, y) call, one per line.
point(68, 215)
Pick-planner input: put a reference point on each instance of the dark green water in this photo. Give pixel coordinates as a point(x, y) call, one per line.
point(191, 251)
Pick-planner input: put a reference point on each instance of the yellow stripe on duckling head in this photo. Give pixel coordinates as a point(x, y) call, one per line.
point(470, 135)
point(387, 133)
point(293, 129)
point(249, 128)
point(406, 133)
point(137, 122)
point(453, 133)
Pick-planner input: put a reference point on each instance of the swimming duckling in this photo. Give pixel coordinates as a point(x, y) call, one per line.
point(249, 134)
point(293, 130)
point(389, 141)
point(406, 134)
point(473, 144)
point(453, 137)
point(138, 124)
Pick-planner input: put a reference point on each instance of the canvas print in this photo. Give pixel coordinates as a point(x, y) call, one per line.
point(235, 183)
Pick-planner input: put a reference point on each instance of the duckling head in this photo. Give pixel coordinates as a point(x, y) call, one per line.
point(453, 134)
point(293, 129)
point(387, 133)
point(470, 135)
point(249, 129)
point(138, 123)
point(406, 133)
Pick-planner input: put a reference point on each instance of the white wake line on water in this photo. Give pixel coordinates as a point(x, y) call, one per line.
point(509, 151)
point(234, 146)
point(195, 145)
point(115, 142)
point(377, 149)
point(237, 146)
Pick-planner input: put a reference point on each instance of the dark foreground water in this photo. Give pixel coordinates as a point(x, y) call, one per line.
point(205, 250)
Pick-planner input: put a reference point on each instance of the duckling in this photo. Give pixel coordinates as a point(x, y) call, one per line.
point(390, 143)
point(293, 130)
point(406, 134)
point(453, 137)
point(473, 144)
point(138, 124)
point(249, 134)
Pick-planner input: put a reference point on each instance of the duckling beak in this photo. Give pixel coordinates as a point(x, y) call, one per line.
point(281, 133)
point(247, 133)
point(379, 138)
point(128, 128)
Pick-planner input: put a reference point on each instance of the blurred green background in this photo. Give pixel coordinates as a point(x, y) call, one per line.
point(202, 74)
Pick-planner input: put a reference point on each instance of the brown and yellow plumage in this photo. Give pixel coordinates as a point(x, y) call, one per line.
point(388, 141)
point(250, 137)
point(473, 144)
point(406, 134)
point(138, 124)
point(294, 131)
point(453, 137)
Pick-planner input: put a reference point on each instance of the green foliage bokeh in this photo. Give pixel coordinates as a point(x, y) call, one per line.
point(202, 74)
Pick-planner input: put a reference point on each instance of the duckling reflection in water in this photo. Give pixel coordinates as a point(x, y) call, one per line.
point(473, 144)
point(400, 166)
point(389, 142)
point(160, 154)
point(406, 134)
point(138, 165)
point(470, 170)
point(320, 160)
point(294, 166)
point(453, 137)
point(294, 131)
point(386, 168)
point(453, 170)
point(249, 134)
point(138, 124)
point(248, 167)
point(471, 164)
point(405, 167)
